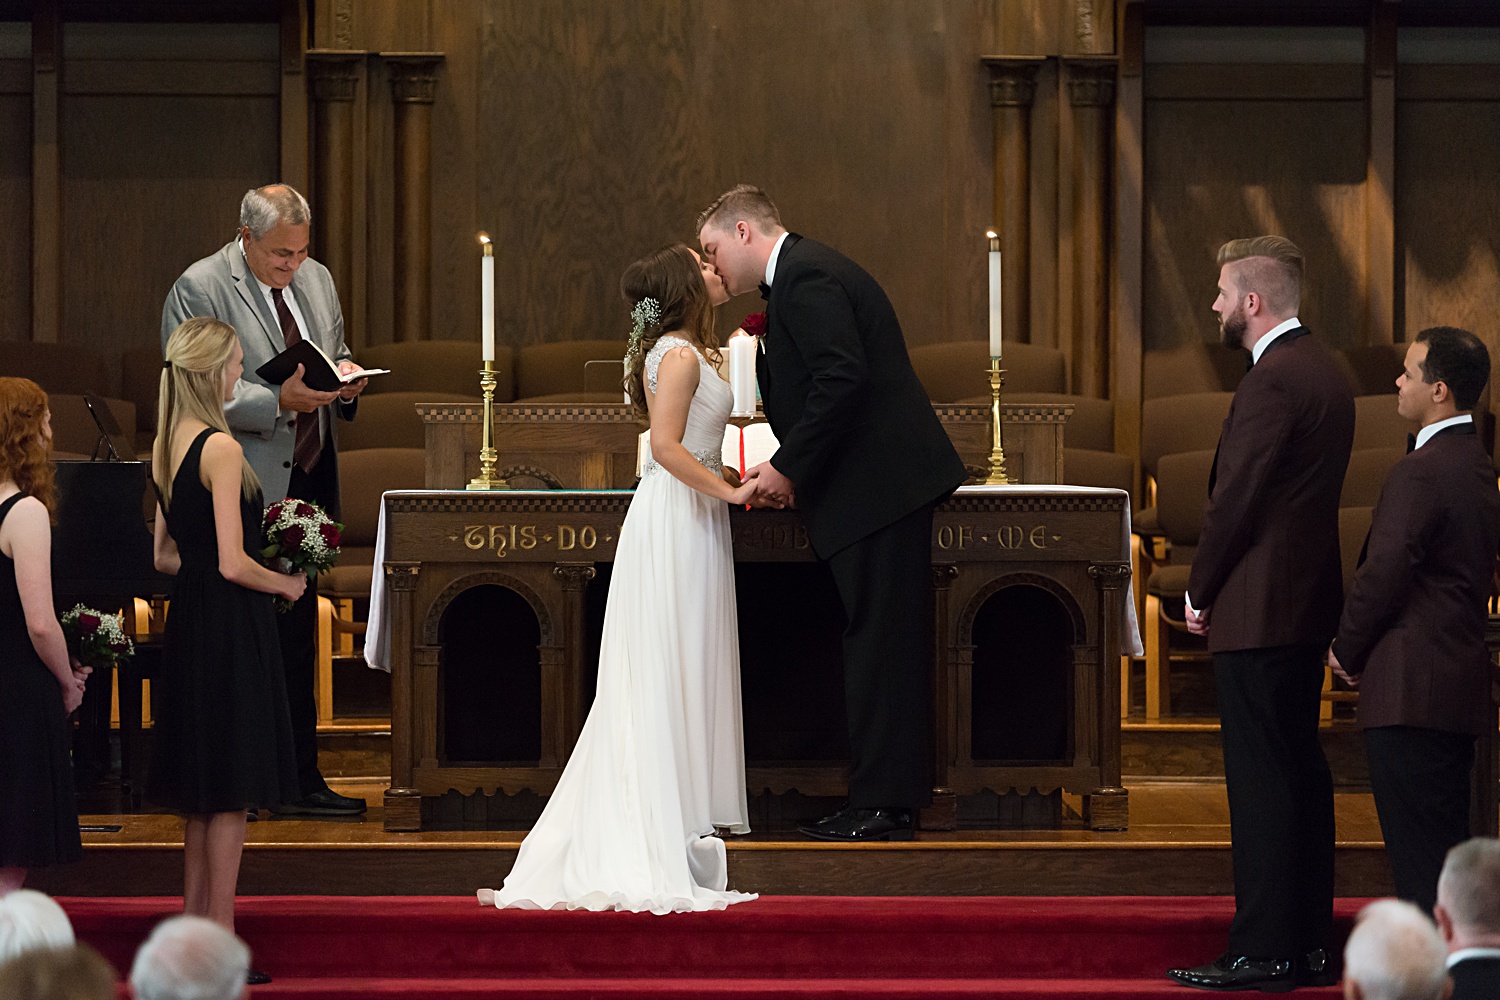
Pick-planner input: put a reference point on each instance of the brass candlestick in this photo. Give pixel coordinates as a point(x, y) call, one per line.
point(487, 480)
point(997, 475)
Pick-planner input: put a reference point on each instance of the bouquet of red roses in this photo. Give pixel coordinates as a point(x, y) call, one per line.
point(95, 638)
point(300, 537)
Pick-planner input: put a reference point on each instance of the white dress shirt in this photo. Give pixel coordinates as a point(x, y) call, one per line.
point(775, 255)
point(1466, 953)
point(1425, 434)
point(286, 294)
point(1269, 337)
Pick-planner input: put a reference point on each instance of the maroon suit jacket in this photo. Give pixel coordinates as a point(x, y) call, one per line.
point(1414, 621)
point(1267, 565)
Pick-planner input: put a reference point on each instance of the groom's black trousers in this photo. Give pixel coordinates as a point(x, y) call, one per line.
point(885, 583)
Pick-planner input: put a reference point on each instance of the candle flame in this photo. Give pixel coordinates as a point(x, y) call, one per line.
point(991, 234)
point(484, 237)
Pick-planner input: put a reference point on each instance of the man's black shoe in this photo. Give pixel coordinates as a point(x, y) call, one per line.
point(256, 978)
point(862, 824)
point(1239, 972)
point(1316, 968)
point(324, 802)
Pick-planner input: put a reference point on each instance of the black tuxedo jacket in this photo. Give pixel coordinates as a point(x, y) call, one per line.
point(1267, 565)
point(1413, 623)
point(858, 436)
point(1476, 979)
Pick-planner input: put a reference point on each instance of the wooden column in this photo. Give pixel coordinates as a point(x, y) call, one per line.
point(1380, 179)
point(1012, 88)
point(562, 686)
point(46, 176)
point(294, 154)
point(1091, 94)
point(1129, 241)
point(403, 803)
point(335, 81)
point(1107, 807)
point(413, 88)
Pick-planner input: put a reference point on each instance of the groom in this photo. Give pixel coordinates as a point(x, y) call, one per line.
point(863, 457)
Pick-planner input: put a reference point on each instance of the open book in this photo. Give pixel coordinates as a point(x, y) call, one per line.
point(319, 373)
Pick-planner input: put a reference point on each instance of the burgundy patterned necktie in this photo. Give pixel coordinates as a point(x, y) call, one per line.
point(308, 448)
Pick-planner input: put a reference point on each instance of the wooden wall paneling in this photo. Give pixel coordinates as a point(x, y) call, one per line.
point(413, 78)
point(294, 122)
point(1380, 181)
point(162, 128)
point(46, 175)
point(374, 172)
point(15, 181)
point(455, 193)
point(1091, 96)
point(1057, 27)
point(969, 156)
point(1047, 179)
point(1129, 245)
point(1448, 201)
point(1232, 166)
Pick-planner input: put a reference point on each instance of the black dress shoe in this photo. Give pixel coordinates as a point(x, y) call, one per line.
point(1239, 972)
point(1316, 968)
point(862, 824)
point(324, 802)
point(256, 978)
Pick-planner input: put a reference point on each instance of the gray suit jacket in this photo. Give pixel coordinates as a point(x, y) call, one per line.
point(222, 286)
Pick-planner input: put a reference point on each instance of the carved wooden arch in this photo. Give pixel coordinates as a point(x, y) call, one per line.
point(532, 472)
point(440, 604)
point(1062, 594)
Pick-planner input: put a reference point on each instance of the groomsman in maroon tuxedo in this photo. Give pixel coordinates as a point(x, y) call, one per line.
point(1265, 589)
point(1412, 634)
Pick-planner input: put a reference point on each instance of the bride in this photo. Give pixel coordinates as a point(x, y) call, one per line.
point(660, 761)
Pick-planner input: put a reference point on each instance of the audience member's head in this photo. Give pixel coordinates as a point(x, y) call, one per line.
point(76, 972)
point(190, 958)
point(1468, 895)
point(1395, 953)
point(30, 921)
point(26, 438)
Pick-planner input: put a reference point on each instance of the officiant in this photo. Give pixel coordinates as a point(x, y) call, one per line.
point(264, 284)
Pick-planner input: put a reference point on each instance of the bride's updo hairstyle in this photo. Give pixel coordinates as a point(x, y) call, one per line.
point(669, 277)
point(192, 385)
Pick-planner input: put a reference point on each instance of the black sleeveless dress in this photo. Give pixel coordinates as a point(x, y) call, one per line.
point(38, 811)
point(223, 734)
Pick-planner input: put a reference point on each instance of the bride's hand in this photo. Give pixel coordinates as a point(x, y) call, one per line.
point(746, 494)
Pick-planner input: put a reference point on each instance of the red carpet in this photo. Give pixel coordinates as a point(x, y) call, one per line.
point(413, 946)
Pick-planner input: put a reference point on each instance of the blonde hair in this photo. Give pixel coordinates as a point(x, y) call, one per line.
point(1269, 266)
point(741, 202)
point(192, 385)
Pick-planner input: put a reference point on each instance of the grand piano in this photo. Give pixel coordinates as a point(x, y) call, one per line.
point(102, 557)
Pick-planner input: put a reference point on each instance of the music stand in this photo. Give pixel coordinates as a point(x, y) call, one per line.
point(119, 448)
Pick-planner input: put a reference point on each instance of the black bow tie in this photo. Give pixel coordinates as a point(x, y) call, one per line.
point(1249, 360)
point(765, 291)
point(1411, 443)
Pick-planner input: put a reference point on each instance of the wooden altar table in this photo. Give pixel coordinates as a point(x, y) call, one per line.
point(1070, 543)
point(592, 446)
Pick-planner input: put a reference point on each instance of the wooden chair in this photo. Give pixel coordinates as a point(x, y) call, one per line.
point(1378, 425)
point(1182, 489)
point(955, 371)
point(140, 383)
point(555, 372)
point(1195, 367)
point(444, 366)
point(389, 420)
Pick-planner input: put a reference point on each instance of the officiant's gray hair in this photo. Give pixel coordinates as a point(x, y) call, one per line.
point(743, 201)
point(263, 208)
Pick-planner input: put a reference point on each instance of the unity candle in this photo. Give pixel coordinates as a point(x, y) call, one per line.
point(742, 372)
point(487, 296)
point(995, 322)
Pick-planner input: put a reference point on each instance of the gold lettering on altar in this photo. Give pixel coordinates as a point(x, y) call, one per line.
point(772, 536)
point(569, 537)
point(1004, 536)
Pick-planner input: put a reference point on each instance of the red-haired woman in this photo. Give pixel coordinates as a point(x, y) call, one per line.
point(38, 687)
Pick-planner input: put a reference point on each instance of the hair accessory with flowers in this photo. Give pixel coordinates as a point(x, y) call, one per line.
point(95, 638)
point(754, 324)
point(646, 314)
point(300, 537)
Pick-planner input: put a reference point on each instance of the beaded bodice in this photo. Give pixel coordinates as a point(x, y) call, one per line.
point(703, 436)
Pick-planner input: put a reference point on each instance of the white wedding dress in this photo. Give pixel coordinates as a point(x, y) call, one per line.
point(660, 761)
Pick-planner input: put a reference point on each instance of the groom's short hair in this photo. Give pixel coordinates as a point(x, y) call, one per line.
point(743, 201)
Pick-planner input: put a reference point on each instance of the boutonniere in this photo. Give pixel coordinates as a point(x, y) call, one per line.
point(755, 325)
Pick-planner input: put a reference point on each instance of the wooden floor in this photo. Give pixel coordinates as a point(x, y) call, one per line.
point(1177, 844)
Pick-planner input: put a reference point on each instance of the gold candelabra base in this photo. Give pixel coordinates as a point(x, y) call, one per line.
point(487, 479)
point(997, 476)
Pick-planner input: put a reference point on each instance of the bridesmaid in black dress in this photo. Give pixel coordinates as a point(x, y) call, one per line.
point(38, 687)
point(223, 736)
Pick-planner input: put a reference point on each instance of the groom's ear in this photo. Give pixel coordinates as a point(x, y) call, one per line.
point(742, 231)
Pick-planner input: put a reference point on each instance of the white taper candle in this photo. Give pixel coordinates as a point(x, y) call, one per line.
point(487, 297)
point(996, 340)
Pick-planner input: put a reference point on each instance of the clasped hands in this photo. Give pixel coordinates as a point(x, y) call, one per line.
point(772, 489)
point(295, 394)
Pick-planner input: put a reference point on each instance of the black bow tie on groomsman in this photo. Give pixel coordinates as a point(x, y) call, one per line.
point(765, 291)
point(1411, 443)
